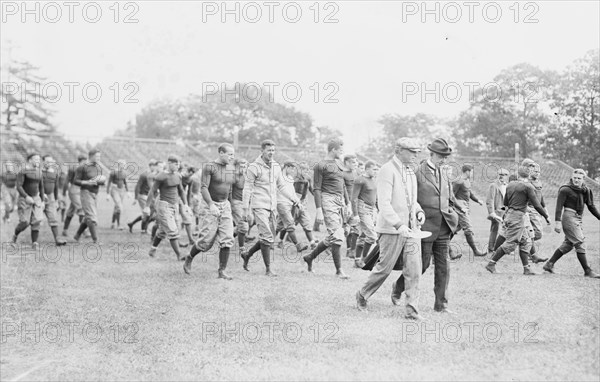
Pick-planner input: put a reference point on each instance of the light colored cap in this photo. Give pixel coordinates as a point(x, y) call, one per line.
point(408, 144)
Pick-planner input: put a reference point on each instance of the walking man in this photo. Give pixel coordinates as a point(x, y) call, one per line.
point(495, 206)
point(74, 195)
point(287, 210)
point(217, 225)
point(329, 200)
point(535, 220)
point(118, 180)
point(518, 195)
point(364, 196)
point(237, 203)
point(142, 188)
point(10, 195)
point(462, 194)
point(263, 179)
point(168, 184)
point(30, 186)
point(572, 198)
point(50, 174)
point(88, 177)
point(399, 215)
point(435, 197)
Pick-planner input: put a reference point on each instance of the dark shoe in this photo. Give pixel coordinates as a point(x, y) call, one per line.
point(361, 303)
point(411, 314)
point(350, 254)
point(479, 254)
point(270, 273)
point(35, 246)
point(301, 247)
point(445, 310)
point(340, 274)
point(395, 297)
point(491, 267)
point(130, 227)
point(182, 245)
point(223, 275)
point(549, 267)
point(591, 274)
point(14, 239)
point(309, 260)
point(65, 233)
point(187, 265)
point(152, 252)
point(76, 238)
point(246, 259)
point(455, 256)
point(250, 238)
point(528, 272)
point(60, 243)
point(535, 259)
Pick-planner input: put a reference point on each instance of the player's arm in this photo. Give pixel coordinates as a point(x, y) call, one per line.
point(152, 192)
point(249, 185)
point(20, 181)
point(358, 185)
point(56, 187)
point(110, 181)
point(207, 173)
point(181, 193)
point(41, 187)
point(490, 198)
point(589, 202)
point(318, 177)
point(536, 203)
point(474, 198)
point(138, 186)
point(281, 186)
point(66, 185)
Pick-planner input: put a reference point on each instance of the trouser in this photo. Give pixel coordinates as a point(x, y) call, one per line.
point(391, 248)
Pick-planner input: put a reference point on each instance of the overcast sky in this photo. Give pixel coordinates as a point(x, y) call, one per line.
point(374, 51)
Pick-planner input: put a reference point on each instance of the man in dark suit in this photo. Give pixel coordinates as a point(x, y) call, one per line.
point(436, 198)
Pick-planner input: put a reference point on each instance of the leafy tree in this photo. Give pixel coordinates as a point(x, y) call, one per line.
point(27, 106)
point(575, 134)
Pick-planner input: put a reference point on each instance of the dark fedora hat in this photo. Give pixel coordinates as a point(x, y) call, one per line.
point(440, 146)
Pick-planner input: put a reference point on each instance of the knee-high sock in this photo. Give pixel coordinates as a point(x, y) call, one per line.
point(556, 256)
point(366, 249)
point(320, 248)
point(583, 260)
point(156, 241)
point(254, 249)
point(241, 239)
point(81, 218)
point(154, 229)
point(139, 218)
point(282, 234)
point(175, 246)
point(359, 251)
point(265, 249)
point(118, 218)
point(353, 240)
point(223, 258)
point(499, 241)
point(54, 230)
point(194, 251)
point(498, 255)
point(145, 221)
point(92, 228)
point(335, 253)
point(524, 258)
point(67, 222)
point(309, 235)
point(22, 226)
point(81, 228)
point(35, 234)
point(292, 236)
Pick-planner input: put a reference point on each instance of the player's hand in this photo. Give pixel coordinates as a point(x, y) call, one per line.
point(29, 199)
point(354, 220)
point(420, 218)
point(480, 203)
point(45, 199)
point(557, 228)
point(320, 217)
point(214, 209)
point(404, 230)
point(134, 202)
point(349, 209)
point(147, 210)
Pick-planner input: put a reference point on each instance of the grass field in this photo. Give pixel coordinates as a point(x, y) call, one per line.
point(117, 314)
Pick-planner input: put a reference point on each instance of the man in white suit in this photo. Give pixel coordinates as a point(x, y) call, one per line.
point(399, 215)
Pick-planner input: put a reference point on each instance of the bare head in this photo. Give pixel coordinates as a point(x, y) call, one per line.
point(335, 148)
point(268, 150)
point(226, 153)
point(578, 176)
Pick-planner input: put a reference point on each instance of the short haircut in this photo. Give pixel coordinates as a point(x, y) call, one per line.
point(223, 147)
point(31, 155)
point(238, 161)
point(173, 159)
point(153, 162)
point(93, 152)
point(523, 171)
point(349, 157)
point(528, 162)
point(334, 144)
point(46, 156)
point(503, 171)
point(361, 163)
point(81, 157)
point(370, 164)
point(579, 171)
point(512, 178)
point(191, 169)
point(266, 143)
point(467, 167)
